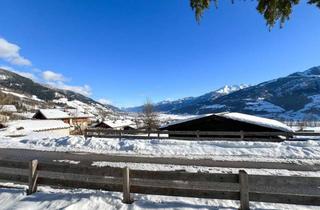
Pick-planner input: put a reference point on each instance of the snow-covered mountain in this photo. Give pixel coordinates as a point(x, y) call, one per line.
point(29, 95)
point(296, 96)
point(178, 106)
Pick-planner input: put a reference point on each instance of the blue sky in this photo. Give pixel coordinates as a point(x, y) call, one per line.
point(126, 51)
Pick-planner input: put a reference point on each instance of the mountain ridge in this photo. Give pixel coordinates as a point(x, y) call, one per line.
point(39, 95)
point(170, 106)
point(293, 97)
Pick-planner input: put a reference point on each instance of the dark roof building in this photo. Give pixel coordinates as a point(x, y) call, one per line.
point(228, 122)
point(116, 125)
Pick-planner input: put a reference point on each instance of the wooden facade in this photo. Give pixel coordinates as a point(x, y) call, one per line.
point(216, 123)
point(102, 125)
point(76, 121)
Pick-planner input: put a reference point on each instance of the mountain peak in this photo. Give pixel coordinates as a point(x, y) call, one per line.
point(231, 88)
point(314, 71)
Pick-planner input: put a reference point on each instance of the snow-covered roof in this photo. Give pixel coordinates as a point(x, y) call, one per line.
point(261, 121)
point(74, 113)
point(186, 120)
point(119, 123)
point(8, 108)
point(54, 114)
point(38, 125)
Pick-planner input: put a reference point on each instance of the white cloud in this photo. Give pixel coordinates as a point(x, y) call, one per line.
point(104, 101)
point(84, 90)
point(57, 80)
point(10, 53)
point(22, 73)
point(51, 76)
point(27, 75)
point(9, 68)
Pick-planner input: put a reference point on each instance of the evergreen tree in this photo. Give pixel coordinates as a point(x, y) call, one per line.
point(272, 10)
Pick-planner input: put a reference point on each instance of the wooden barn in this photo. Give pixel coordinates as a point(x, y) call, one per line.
point(51, 114)
point(227, 122)
point(76, 119)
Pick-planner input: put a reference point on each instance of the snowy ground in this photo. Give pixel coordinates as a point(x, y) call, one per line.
point(302, 150)
point(81, 199)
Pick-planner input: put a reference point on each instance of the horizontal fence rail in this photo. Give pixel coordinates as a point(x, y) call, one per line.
point(243, 187)
point(189, 135)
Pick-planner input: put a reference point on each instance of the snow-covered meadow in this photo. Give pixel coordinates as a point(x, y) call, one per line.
point(303, 150)
point(81, 199)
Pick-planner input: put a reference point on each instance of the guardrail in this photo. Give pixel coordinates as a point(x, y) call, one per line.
point(243, 187)
point(187, 135)
point(196, 135)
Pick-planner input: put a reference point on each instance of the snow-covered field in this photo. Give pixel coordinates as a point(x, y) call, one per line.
point(81, 199)
point(303, 150)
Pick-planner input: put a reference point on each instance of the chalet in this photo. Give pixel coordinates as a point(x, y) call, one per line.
point(116, 125)
point(75, 119)
point(8, 108)
point(227, 122)
point(51, 114)
point(80, 119)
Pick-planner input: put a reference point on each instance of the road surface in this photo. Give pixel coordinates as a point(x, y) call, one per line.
point(88, 158)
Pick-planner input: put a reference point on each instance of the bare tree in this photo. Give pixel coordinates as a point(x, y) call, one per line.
point(149, 117)
point(2, 117)
point(137, 121)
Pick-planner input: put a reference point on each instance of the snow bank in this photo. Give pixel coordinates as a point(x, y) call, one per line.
point(170, 148)
point(196, 169)
point(27, 127)
point(82, 199)
point(37, 125)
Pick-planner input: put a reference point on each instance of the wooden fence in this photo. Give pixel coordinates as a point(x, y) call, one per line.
point(194, 135)
point(243, 187)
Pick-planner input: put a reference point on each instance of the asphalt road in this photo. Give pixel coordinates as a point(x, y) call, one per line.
point(88, 158)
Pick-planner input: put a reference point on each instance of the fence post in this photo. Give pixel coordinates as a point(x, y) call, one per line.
point(197, 134)
point(85, 133)
point(126, 186)
point(244, 190)
point(241, 135)
point(287, 135)
point(33, 176)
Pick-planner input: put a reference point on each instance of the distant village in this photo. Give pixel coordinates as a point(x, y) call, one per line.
point(58, 120)
point(71, 121)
